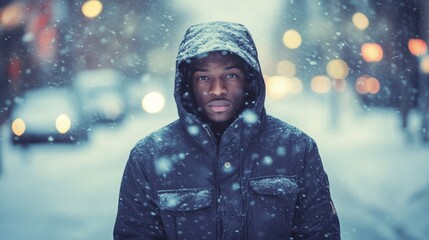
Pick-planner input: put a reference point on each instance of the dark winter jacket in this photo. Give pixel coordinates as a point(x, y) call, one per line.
point(263, 180)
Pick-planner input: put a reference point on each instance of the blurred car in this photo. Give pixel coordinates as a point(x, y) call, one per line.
point(102, 95)
point(48, 115)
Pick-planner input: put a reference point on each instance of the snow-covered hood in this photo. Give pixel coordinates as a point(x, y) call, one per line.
point(218, 36)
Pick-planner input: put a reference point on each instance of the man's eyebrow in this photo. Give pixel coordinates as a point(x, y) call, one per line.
point(233, 66)
point(199, 69)
point(204, 69)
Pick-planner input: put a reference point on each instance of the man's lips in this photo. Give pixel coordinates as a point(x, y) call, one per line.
point(219, 105)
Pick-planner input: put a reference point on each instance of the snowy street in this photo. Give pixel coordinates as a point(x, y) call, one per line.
point(378, 176)
point(324, 66)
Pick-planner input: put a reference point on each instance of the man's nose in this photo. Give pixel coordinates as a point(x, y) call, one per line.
point(218, 87)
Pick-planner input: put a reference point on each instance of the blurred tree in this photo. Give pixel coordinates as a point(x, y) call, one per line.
point(403, 71)
point(423, 84)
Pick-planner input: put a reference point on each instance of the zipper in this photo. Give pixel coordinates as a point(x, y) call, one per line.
point(219, 212)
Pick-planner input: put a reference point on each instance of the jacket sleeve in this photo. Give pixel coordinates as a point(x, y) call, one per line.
point(138, 215)
point(315, 216)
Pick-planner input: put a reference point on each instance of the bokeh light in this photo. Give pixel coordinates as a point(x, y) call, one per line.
point(424, 64)
point(366, 84)
point(321, 84)
point(92, 8)
point(292, 39)
point(417, 46)
point(339, 85)
point(18, 127)
point(286, 68)
point(153, 102)
point(337, 69)
point(12, 15)
point(279, 86)
point(63, 123)
point(360, 21)
point(372, 52)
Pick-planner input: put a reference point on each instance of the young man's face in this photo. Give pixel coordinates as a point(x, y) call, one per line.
point(218, 85)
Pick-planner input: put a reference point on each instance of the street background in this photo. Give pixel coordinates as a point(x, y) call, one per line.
point(367, 109)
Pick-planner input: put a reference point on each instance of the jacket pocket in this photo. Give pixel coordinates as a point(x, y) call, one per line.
point(188, 213)
point(274, 185)
point(272, 206)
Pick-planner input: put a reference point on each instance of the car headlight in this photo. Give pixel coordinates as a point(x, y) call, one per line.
point(18, 127)
point(63, 123)
point(153, 102)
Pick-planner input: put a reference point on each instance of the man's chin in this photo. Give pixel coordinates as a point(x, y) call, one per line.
point(220, 119)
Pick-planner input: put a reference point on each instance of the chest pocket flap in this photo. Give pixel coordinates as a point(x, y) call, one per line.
point(274, 185)
point(185, 199)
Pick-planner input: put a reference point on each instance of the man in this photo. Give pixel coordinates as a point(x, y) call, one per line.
point(224, 169)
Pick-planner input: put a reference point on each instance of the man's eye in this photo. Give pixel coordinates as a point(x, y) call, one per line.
point(232, 75)
point(202, 78)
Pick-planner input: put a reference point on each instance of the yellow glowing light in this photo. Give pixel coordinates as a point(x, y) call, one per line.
point(277, 87)
point(321, 84)
point(372, 52)
point(337, 69)
point(424, 64)
point(360, 21)
point(417, 46)
point(292, 39)
point(366, 84)
point(92, 8)
point(286, 68)
point(18, 127)
point(153, 102)
point(63, 123)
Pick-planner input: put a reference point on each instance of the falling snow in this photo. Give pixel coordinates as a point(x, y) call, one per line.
point(250, 117)
point(163, 165)
point(370, 157)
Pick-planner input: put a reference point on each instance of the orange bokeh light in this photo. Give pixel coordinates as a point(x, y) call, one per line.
point(321, 84)
point(372, 52)
point(366, 84)
point(417, 46)
point(12, 15)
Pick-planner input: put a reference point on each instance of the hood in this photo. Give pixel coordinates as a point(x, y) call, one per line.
point(209, 37)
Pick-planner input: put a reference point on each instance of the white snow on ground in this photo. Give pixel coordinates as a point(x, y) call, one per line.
point(378, 176)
